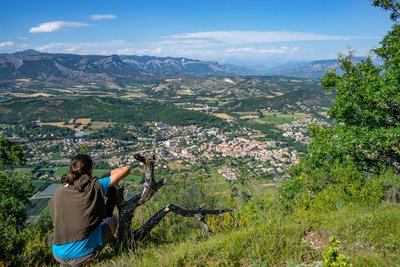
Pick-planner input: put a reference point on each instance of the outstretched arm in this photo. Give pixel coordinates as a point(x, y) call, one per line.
point(119, 174)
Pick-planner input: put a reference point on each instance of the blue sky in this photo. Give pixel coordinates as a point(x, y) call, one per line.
point(242, 32)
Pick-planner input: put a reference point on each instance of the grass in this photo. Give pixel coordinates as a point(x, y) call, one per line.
point(368, 236)
point(280, 118)
point(174, 165)
point(271, 117)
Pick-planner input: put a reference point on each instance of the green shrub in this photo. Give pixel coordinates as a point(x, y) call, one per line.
point(332, 256)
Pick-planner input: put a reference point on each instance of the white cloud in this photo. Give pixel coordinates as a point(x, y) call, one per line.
point(53, 26)
point(60, 48)
point(263, 51)
point(104, 16)
point(243, 37)
point(160, 48)
point(6, 44)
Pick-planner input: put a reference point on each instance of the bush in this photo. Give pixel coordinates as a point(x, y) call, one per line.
point(332, 257)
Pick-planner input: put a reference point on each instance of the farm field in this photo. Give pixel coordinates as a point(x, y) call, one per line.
point(222, 116)
point(73, 124)
point(271, 117)
point(96, 125)
point(31, 95)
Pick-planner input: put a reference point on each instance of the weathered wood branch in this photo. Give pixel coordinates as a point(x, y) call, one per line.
point(198, 213)
point(127, 207)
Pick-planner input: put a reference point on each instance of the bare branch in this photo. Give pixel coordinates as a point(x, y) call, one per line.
point(127, 207)
point(199, 213)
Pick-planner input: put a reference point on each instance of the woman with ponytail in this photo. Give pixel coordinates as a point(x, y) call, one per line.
point(83, 222)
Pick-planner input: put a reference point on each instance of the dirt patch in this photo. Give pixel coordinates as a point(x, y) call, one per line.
point(315, 240)
point(83, 120)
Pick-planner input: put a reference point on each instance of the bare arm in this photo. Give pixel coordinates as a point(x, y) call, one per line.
point(119, 174)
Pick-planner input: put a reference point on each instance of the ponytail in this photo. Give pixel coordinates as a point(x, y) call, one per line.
point(71, 177)
point(81, 164)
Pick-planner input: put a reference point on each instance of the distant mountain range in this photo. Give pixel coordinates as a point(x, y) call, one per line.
point(71, 68)
point(308, 69)
point(312, 69)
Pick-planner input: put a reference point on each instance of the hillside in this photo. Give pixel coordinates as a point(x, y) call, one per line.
point(300, 239)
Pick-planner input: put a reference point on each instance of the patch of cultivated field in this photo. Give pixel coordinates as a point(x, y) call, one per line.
point(185, 92)
point(249, 117)
point(196, 109)
point(71, 123)
point(60, 124)
point(96, 125)
point(246, 113)
point(297, 115)
point(260, 121)
point(280, 118)
point(84, 121)
point(222, 116)
point(30, 95)
point(133, 95)
point(257, 135)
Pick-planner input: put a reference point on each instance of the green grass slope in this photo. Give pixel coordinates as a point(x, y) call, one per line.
point(368, 236)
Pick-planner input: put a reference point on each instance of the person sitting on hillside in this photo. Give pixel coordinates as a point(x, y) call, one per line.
point(83, 222)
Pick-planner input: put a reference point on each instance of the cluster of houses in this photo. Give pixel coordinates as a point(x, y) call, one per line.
point(185, 144)
point(193, 143)
point(298, 129)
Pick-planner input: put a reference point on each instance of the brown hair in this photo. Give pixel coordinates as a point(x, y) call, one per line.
point(81, 164)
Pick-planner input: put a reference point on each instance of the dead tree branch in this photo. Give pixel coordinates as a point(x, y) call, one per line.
point(127, 207)
point(198, 213)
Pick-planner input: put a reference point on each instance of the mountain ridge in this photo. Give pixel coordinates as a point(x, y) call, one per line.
point(72, 68)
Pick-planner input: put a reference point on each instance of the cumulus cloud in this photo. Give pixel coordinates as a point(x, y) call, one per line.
point(241, 37)
point(60, 48)
point(6, 44)
point(53, 26)
point(160, 48)
point(263, 51)
point(102, 16)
